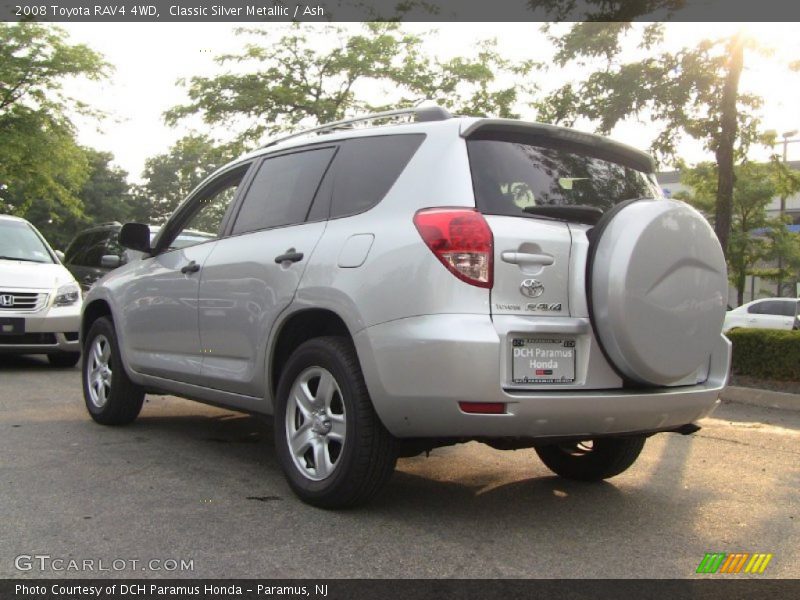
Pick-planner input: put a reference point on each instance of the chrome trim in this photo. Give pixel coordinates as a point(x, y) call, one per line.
point(25, 301)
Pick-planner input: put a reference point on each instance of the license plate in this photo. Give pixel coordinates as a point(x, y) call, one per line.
point(11, 326)
point(543, 360)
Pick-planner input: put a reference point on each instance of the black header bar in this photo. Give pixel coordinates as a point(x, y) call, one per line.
point(284, 11)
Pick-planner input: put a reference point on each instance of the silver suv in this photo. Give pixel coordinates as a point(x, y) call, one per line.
point(385, 290)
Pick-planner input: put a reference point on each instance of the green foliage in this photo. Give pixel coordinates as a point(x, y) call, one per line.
point(766, 353)
point(693, 92)
point(169, 177)
point(682, 90)
point(105, 197)
point(755, 186)
point(606, 10)
point(40, 161)
point(278, 83)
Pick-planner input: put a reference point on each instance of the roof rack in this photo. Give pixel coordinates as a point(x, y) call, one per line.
point(423, 114)
point(98, 225)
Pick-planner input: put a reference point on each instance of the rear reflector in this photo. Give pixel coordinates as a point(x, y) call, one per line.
point(462, 241)
point(483, 408)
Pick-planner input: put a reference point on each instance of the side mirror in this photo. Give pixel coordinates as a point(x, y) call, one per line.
point(60, 255)
point(135, 236)
point(110, 261)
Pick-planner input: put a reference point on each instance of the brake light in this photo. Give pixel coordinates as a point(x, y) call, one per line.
point(462, 241)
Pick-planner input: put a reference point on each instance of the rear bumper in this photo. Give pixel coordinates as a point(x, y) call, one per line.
point(418, 369)
point(49, 331)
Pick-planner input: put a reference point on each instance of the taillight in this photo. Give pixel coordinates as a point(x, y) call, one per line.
point(462, 241)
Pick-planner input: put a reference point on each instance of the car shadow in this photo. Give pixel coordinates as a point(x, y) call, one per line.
point(29, 362)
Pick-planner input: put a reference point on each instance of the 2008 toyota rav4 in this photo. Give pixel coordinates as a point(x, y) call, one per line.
point(386, 290)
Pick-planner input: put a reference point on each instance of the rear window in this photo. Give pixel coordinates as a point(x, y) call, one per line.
point(511, 174)
point(366, 169)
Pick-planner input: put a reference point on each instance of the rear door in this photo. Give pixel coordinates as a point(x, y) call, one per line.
point(542, 190)
point(252, 275)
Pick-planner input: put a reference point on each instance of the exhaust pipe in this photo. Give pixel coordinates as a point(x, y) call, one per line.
point(687, 429)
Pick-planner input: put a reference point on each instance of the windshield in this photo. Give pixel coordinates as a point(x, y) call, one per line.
point(511, 175)
point(19, 241)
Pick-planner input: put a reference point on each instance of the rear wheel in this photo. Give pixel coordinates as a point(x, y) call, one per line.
point(592, 460)
point(111, 397)
point(65, 359)
point(333, 448)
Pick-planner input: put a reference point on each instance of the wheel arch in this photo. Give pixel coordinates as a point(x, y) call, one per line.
point(96, 309)
point(297, 328)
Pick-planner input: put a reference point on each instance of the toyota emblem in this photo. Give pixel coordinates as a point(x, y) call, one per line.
point(532, 288)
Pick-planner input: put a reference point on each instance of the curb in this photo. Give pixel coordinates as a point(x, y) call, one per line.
point(757, 397)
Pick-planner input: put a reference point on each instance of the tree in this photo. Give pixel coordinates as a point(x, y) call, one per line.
point(169, 177)
point(787, 183)
point(755, 237)
point(280, 83)
point(693, 91)
point(39, 158)
point(104, 195)
point(606, 10)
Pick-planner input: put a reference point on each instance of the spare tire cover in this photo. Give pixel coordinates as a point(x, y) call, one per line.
point(658, 286)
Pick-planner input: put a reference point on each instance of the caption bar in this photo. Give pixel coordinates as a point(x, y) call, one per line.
point(400, 10)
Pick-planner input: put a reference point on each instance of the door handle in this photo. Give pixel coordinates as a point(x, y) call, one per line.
point(524, 258)
point(192, 267)
point(291, 255)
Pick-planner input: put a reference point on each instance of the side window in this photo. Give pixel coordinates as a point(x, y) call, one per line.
point(367, 168)
point(202, 219)
point(95, 252)
point(86, 249)
point(785, 309)
point(283, 190)
point(74, 248)
point(756, 309)
point(112, 244)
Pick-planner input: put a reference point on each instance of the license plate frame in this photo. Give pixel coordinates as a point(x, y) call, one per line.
point(543, 360)
point(12, 326)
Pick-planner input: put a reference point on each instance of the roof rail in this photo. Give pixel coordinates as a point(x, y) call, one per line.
point(97, 225)
point(423, 114)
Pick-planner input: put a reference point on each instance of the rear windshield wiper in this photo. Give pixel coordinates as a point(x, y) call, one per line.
point(20, 258)
point(580, 213)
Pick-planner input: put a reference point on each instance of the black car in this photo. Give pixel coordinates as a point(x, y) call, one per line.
point(96, 251)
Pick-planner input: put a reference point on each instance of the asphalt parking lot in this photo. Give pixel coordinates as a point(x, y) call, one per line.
point(197, 483)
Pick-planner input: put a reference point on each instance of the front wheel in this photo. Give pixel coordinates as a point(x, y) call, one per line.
point(332, 447)
point(111, 397)
point(592, 460)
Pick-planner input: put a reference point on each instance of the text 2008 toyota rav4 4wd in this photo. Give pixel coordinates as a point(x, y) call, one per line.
point(386, 290)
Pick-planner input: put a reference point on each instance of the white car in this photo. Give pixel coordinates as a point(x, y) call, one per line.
point(767, 313)
point(40, 301)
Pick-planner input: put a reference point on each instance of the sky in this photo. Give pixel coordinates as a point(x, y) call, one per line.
point(149, 58)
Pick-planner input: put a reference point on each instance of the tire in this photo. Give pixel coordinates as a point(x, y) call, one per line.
point(604, 458)
point(111, 397)
point(343, 454)
point(65, 360)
